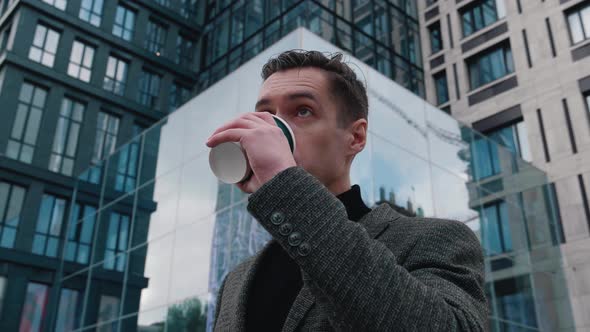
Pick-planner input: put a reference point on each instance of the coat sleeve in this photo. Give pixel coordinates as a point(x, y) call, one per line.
point(440, 287)
point(218, 302)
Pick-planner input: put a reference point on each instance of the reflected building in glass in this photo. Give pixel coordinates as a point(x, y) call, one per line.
point(78, 79)
point(187, 230)
point(141, 239)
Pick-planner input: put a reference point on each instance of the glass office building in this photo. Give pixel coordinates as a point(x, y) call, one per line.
point(383, 34)
point(155, 255)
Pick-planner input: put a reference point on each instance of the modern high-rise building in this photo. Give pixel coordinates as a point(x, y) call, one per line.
point(77, 79)
point(519, 72)
point(110, 219)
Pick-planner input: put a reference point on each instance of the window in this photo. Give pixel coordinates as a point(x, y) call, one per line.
point(65, 142)
point(34, 308)
point(435, 38)
point(155, 38)
point(23, 137)
point(2, 291)
point(486, 157)
point(490, 65)
point(59, 4)
point(495, 229)
point(49, 221)
point(107, 127)
point(128, 163)
point(514, 303)
point(108, 312)
point(481, 14)
point(178, 95)
point(116, 76)
point(149, 89)
point(80, 233)
point(124, 23)
point(44, 45)
point(91, 11)
point(81, 58)
point(5, 36)
point(69, 310)
point(188, 9)
point(442, 90)
point(513, 137)
point(11, 203)
point(117, 236)
point(578, 21)
point(165, 3)
point(185, 51)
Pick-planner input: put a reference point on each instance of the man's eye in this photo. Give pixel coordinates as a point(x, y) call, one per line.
point(304, 112)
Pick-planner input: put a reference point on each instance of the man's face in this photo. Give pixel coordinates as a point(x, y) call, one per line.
point(302, 98)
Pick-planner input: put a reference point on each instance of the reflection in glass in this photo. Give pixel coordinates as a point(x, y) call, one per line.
point(49, 221)
point(69, 308)
point(116, 243)
point(25, 128)
point(91, 11)
point(108, 311)
point(65, 142)
point(34, 308)
point(11, 203)
point(124, 23)
point(44, 45)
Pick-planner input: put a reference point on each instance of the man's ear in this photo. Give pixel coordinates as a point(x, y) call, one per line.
point(358, 136)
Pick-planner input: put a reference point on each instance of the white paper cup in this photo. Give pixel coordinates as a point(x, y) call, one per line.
point(229, 161)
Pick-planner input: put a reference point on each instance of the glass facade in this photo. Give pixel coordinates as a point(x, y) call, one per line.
point(383, 34)
point(165, 245)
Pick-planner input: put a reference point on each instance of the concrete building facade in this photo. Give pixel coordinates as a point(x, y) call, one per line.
point(519, 72)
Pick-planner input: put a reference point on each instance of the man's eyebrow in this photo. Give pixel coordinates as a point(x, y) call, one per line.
point(292, 96)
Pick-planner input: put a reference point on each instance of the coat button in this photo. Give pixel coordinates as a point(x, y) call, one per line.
point(304, 249)
point(285, 229)
point(277, 218)
point(295, 239)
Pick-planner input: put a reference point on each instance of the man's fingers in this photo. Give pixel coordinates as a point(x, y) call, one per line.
point(264, 116)
point(229, 135)
point(240, 122)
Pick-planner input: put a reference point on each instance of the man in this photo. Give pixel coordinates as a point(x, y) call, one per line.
point(333, 263)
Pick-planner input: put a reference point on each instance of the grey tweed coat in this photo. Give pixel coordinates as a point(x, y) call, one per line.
point(386, 272)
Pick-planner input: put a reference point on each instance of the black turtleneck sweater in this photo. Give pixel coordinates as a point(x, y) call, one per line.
point(278, 281)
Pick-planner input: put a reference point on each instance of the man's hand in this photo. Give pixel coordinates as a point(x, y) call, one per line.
point(264, 142)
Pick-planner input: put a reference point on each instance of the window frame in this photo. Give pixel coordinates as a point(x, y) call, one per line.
point(71, 123)
point(46, 236)
point(127, 12)
point(432, 28)
point(486, 56)
point(10, 212)
point(115, 248)
point(93, 12)
point(121, 70)
point(44, 50)
point(27, 132)
point(577, 12)
point(83, 64)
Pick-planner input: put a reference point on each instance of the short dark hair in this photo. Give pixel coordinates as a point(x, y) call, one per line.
point(345, 86)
